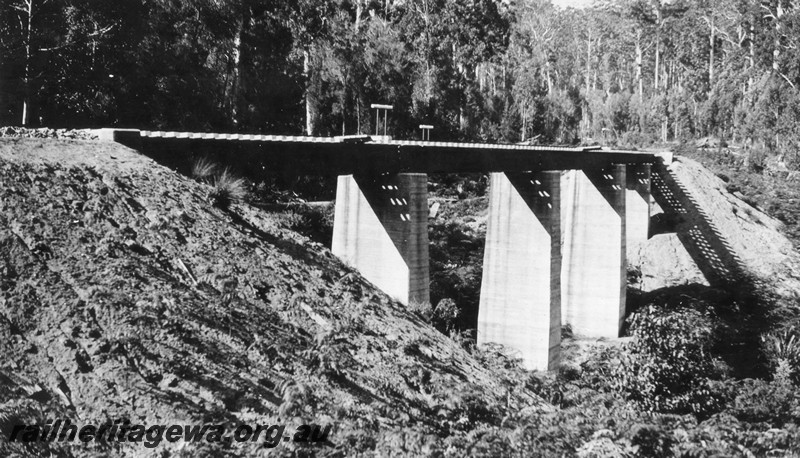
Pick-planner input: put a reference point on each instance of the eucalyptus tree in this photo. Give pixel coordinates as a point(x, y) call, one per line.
point(531, 56)
point(33, 31)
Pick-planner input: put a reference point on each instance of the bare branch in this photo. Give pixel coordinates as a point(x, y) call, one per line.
point(787, 80)
point(769, 14)
point(95, 34)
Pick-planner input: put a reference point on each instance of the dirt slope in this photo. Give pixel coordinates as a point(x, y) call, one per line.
point(708, 235)
point(125, 294)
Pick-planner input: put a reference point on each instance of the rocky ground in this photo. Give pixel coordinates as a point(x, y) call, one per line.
point(46, 132)
point(125, 294)
point(754, 237)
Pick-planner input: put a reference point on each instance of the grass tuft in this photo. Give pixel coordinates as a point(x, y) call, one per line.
point(783, 350)
point(228, 188)
point(203, 169)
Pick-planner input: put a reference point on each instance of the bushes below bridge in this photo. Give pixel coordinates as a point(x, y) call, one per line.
point(665, 391)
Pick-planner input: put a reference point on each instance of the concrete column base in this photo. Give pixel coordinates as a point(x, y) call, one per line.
point(520, 292)
point(128, 137)
point(381, 228)
point(593, 275)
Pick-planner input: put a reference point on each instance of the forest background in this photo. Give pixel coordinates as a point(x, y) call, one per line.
point(625, 73)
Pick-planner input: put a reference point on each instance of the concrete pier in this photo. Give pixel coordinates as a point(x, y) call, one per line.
point(380, 228)
point(560, 219)
point(521, 287)
point(637, 204)
point(593, 275)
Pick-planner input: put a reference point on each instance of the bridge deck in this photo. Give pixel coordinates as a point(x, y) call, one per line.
point(364, 154)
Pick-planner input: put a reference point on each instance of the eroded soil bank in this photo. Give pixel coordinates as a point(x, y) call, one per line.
point(125, 294)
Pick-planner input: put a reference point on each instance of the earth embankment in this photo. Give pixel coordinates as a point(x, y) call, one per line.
point(124, 293)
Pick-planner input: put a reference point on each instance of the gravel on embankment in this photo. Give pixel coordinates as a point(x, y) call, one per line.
point(46, 132)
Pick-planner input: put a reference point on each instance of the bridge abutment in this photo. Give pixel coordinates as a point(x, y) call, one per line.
point(381, 228)
point(521, 286)
point(593, 275)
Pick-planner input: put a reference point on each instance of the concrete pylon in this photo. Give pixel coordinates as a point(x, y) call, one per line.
point(381, 228)
point(637, 204)
point(593, 275)
point(520, 291)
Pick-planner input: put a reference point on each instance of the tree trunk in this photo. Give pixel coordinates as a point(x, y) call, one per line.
point(658, 48)
point(588, 81)
point(776, 51)
point(671, 78)
point(524, 124)
point(310, 115)
point(675, 111)
point(462, 109)
point(236, 80)
point(359, 11)
point(345, 101)
point(711, 40)
point(549, 79)
point(358, 114)
point(345, 96)
point(26, 78)
point(639, 78)
point(656, 74)
point(752, 56)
